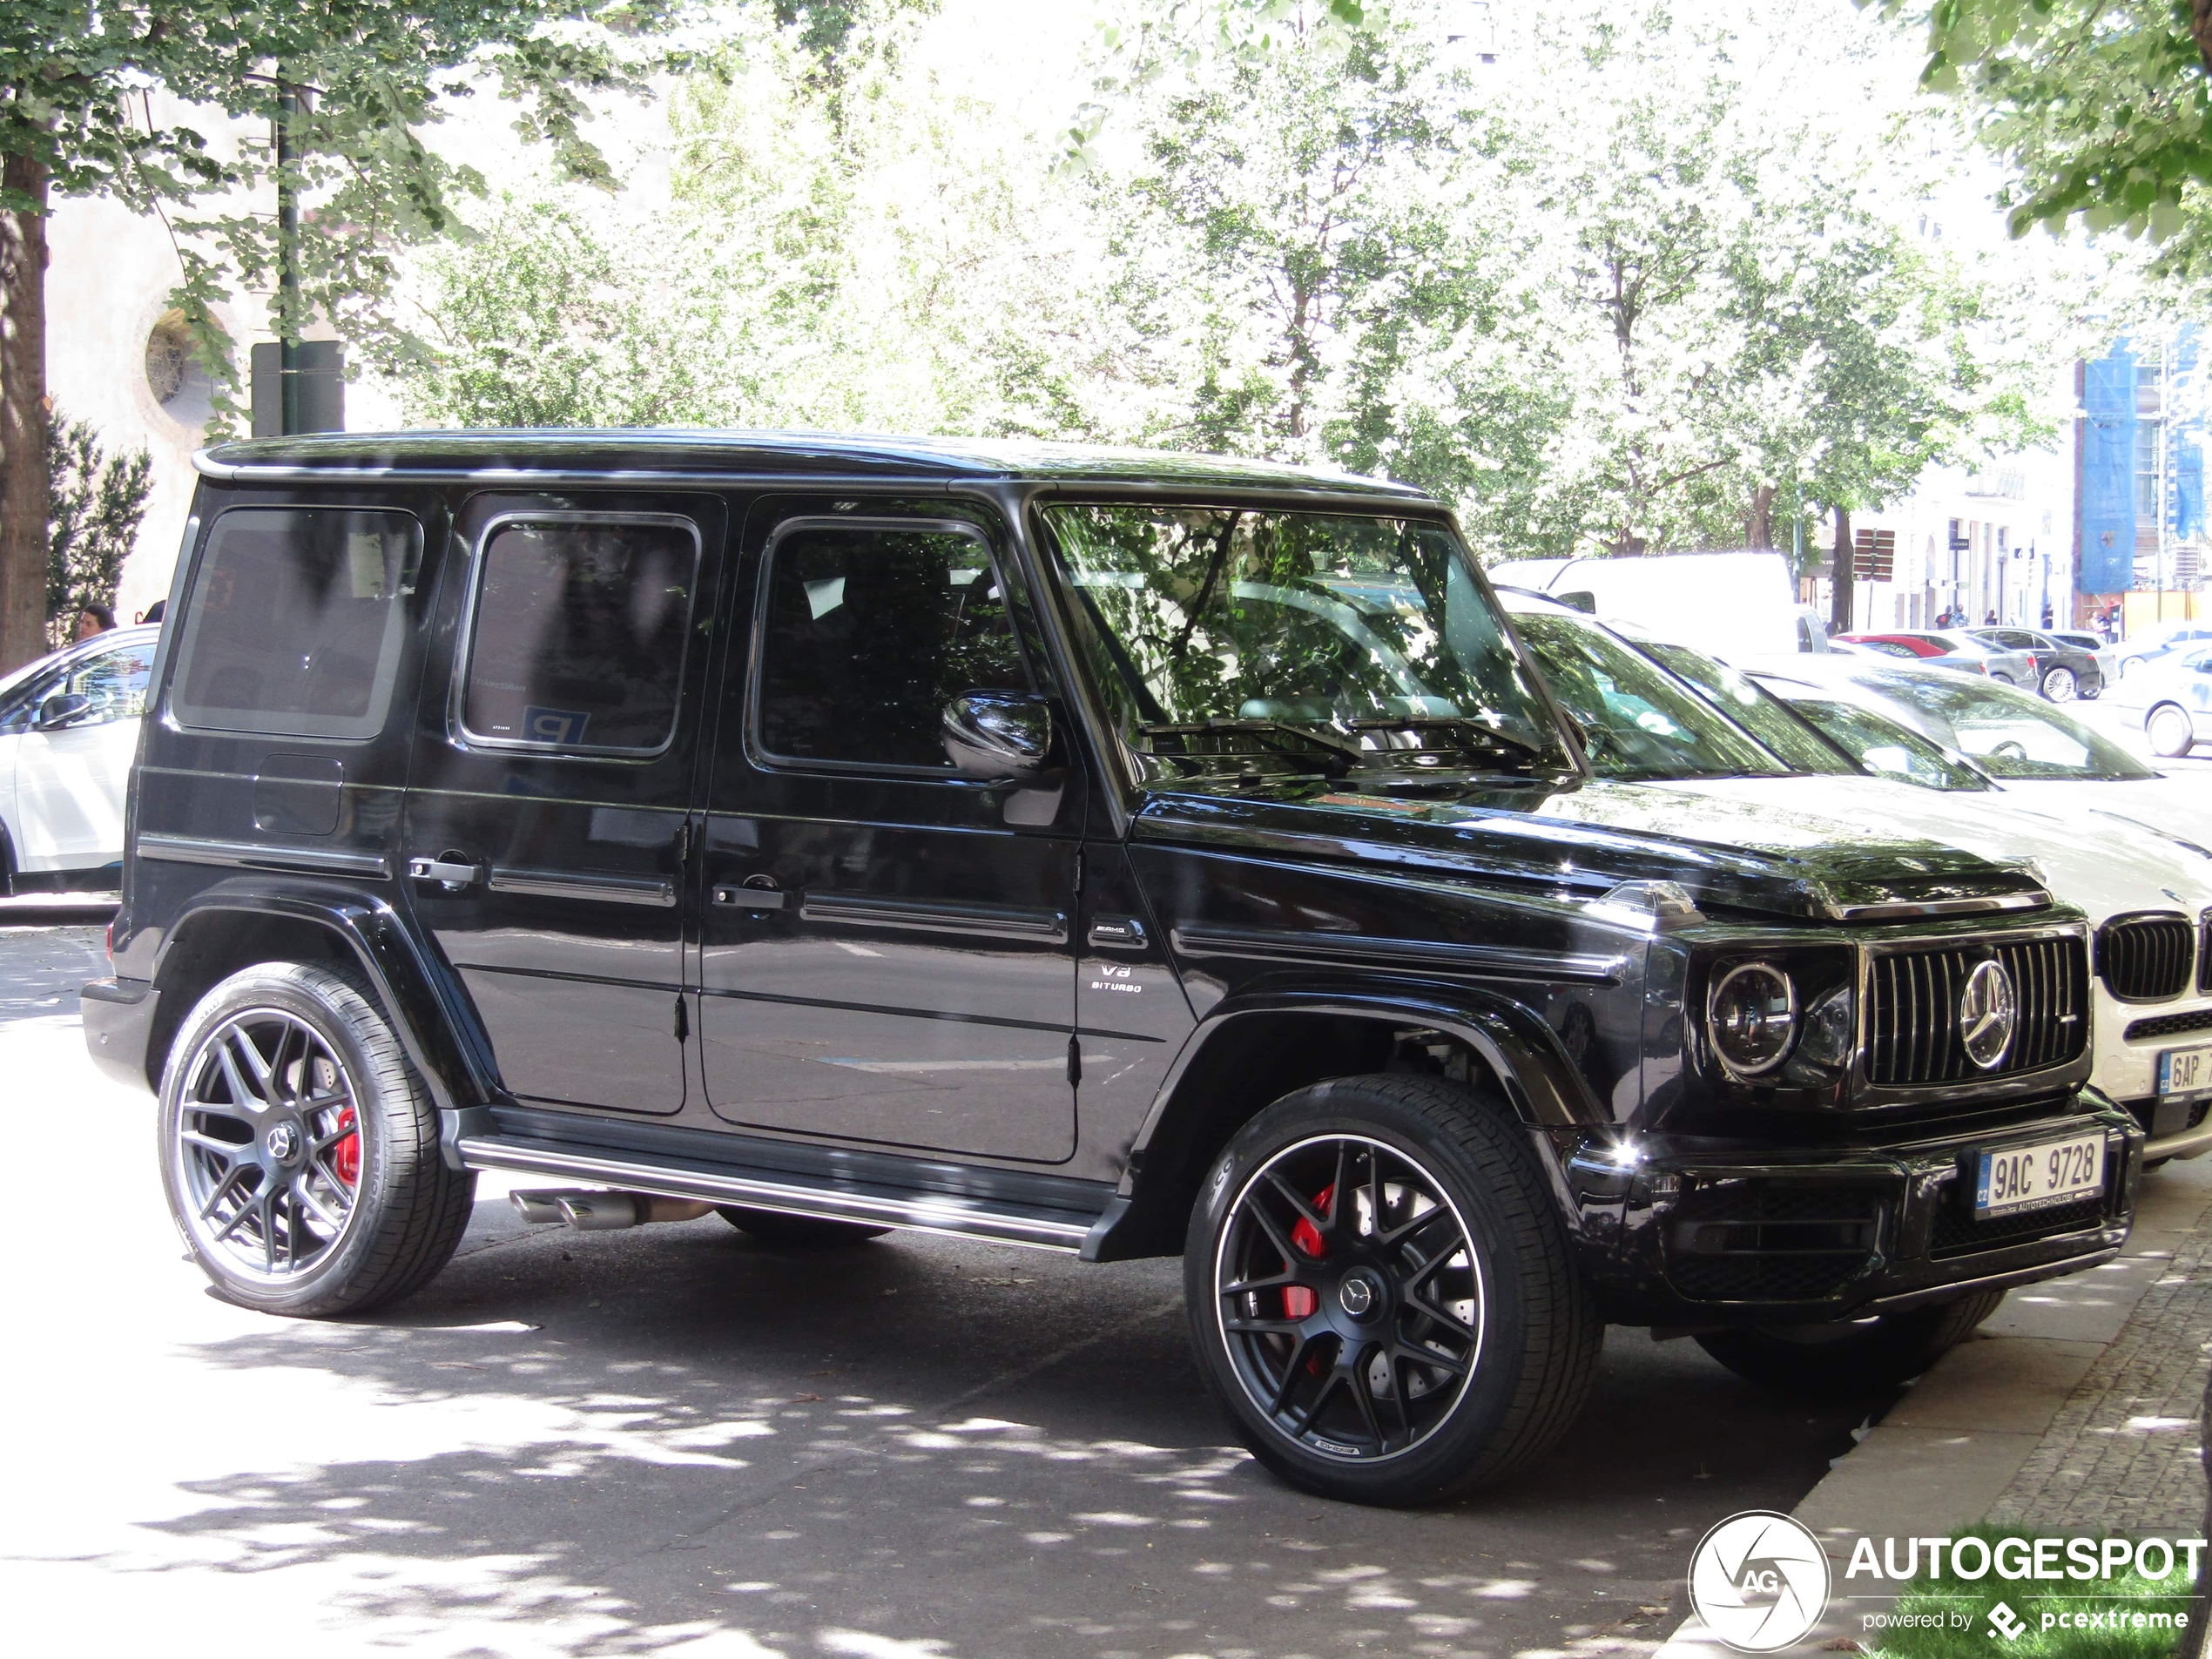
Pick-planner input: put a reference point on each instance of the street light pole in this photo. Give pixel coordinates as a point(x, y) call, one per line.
point(288, 317)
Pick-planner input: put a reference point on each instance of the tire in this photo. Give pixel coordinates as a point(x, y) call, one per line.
point(1473, 1343)
point(797, 1232)
point(1820, 1362)
point(2060, 686)
point(2171, 732)
point(282, 1213)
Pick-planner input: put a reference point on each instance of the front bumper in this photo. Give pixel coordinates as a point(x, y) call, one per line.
point(118, 1027)
point(1704, 1233)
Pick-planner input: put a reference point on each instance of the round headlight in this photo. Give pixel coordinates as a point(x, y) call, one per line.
point(1752, 1018)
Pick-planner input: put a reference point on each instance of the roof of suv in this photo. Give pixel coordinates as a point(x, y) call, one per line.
point(647, 452)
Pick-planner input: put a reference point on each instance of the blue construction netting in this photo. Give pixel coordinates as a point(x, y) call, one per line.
point(2108, 508)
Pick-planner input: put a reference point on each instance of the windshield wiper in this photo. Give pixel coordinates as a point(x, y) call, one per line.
point(1457, 722)
point(1341, 753)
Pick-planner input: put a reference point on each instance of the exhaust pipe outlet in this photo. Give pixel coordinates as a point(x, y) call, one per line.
point(599, 1212)
point(544, 1206)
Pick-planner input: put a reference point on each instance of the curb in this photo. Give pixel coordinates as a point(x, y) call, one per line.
point(1946, 1451)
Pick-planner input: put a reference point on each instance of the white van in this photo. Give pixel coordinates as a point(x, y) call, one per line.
point(1731, 604)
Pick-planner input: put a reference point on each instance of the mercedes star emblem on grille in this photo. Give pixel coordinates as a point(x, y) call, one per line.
point(1987, 1013)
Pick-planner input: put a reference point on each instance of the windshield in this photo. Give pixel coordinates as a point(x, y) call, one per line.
point(1765, 716)
point(1638, 723)
point(1885, 747)
point(2008, 733)
point(1334, 639)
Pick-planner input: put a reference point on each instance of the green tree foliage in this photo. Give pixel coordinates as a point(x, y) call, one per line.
point(96, 502)
point(1628, 292)
point(2104, 107)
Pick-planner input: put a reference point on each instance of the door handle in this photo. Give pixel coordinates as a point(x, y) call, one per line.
point(454, 877)
point(754, 893)
point(1118, 932)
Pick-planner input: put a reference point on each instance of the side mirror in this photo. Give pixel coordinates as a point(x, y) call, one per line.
point(63, 709)
point(999, 737)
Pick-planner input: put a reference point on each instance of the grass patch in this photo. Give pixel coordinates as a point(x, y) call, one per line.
point(2062, 1601)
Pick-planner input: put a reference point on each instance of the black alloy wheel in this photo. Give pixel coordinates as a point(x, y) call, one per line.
point(299, 1148)
point(1381, 1295)
point(268, 1145)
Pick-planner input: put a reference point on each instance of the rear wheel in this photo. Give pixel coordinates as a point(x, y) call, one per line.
point(2170, 731)
point(2060, 686)
point(1382, 1296)
point(299, 1150)
point(796, 1232)
point(1820, 1361)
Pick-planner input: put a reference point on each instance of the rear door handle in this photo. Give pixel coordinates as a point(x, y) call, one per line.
point(754, 893)
point(454, 876)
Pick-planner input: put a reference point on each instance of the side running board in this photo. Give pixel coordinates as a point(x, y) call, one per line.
point(793, 1192)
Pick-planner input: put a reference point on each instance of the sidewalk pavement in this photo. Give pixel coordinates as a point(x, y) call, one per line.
point(2074, 1409)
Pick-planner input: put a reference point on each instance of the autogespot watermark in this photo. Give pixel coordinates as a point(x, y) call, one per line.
point(1760, 1581)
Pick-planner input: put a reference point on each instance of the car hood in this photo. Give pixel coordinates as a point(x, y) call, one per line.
point(2177, 811)
point(2103, 863)
point(1747, 849)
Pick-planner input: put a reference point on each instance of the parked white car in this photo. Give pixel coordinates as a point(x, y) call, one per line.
point(2139, 652)
point(69, 728)
point(2174, 695)
point(2147, 896)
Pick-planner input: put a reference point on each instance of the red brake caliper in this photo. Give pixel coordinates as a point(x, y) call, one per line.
point(1298, 1302)
point(346, 1155)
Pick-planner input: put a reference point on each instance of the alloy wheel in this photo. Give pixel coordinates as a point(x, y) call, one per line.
point(2060, 685)
point(1349, 1296)
point(268, 1146)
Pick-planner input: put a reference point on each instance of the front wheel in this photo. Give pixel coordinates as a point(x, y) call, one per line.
point(2171, 732)
point(1855, 1356)
point(2060, 685)
point(1382, 1296)
point(299, 1150)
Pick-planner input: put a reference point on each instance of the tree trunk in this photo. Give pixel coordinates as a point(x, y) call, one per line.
point(1758, 531)
point(24, 414)
point(1839, 610)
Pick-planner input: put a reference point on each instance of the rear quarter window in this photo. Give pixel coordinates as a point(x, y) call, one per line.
point(294, 621)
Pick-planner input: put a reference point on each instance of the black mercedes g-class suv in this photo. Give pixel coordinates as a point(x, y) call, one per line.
point(1117, 853)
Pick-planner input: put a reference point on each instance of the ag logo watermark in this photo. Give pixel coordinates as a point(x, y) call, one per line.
point(1759, 1581)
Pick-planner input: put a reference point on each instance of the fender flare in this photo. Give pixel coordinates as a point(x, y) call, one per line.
point(435, 1022)
point(1547, 1093)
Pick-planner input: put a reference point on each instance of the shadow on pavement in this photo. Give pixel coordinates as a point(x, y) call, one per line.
point(681, 1442)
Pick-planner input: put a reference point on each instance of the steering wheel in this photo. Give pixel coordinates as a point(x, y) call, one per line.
point(2011, 749)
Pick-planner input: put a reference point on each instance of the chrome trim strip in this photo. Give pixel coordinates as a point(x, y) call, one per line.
point(1452, 962)
point(257, 855)
point(878, 1207)
point(607, 889)
point(1905, 909)
point(986, 921)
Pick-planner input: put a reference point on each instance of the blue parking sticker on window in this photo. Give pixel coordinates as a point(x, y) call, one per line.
point(563, 726)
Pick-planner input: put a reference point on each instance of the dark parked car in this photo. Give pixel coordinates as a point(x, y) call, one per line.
point(2063, 671)
point(1958, 649)
point(1125, 855)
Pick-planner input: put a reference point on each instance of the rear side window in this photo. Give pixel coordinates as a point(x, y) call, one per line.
point(578, 639)
point(869, 631)
point(294, 622)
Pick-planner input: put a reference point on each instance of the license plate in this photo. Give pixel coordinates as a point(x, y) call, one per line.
point(2035, 1178)
point(2185, 1071)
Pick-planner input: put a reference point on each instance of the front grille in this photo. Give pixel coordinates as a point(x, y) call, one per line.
point(2170, 1025)
point(1770, 1241)
point(2145, 1111)
point(1913, 1024)
point(2146, 959)
point(1957, 1233)
point(2204, 955)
